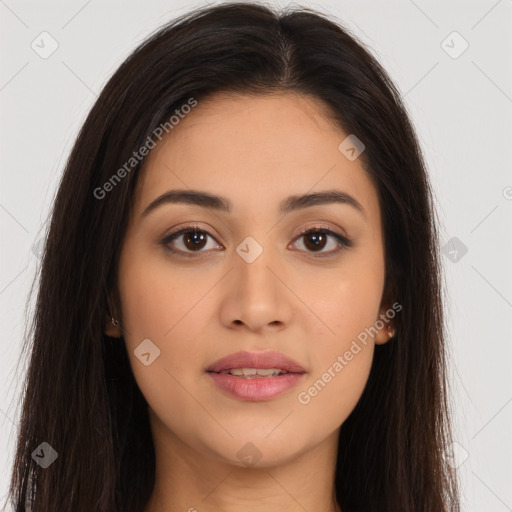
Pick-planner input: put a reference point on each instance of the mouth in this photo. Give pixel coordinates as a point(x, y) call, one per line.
point(248, 364)
point(255, 388)
point(255, 373)
point(255, 376)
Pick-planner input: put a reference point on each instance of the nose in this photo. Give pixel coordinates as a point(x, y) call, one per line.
point(258, 295)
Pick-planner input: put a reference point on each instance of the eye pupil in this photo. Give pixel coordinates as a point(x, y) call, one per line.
point(194, 237)
point(317, 238)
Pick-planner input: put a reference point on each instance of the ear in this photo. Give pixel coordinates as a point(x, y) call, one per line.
point(388, 330)
point(112, 329)
point(387, 323)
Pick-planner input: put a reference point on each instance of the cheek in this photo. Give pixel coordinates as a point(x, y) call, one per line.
point(348, 306)
point(346, 303)
point(341, 359)
point(163, 306)
point(330, 396)
point(148, 292)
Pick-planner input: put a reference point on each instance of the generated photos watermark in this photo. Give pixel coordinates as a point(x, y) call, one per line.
point(149, 144)
point(304, 397)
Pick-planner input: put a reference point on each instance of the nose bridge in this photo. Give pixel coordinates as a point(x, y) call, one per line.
point(259, 297)
point(253, 263)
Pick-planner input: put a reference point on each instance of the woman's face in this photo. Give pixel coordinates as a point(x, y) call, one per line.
point(247, 280)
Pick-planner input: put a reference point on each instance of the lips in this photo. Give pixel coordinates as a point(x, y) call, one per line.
point(259, 360)
point(253, 387)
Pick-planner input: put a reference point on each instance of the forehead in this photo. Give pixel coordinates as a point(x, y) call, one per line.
point(256, 150)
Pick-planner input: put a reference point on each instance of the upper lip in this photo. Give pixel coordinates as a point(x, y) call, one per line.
point(261, 360)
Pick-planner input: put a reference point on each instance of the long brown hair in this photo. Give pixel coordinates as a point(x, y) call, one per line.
point(80, 395)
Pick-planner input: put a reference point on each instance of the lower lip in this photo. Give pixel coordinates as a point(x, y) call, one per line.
point(256, 389)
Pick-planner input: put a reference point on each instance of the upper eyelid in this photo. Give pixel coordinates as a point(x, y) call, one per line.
point(321, 228)
point(185, 229)
point(318, 227)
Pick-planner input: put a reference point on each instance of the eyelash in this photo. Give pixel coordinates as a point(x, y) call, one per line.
point(344, 243)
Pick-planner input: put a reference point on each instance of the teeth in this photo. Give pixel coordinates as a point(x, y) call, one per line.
point(255, 372)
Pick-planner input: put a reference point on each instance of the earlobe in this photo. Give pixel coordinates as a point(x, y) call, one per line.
point(113, 329)
point(385, 334)
point(387, 331)
point(112, 325)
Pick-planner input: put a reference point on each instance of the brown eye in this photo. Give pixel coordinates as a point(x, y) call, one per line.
point(194, 240)
point(315, 240)
point(187, 240)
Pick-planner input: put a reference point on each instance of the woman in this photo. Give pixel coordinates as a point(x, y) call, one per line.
point(240, 296)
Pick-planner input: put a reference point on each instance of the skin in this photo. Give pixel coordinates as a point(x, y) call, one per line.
point(256, 151)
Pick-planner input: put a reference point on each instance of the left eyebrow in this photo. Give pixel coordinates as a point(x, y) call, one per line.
point(292, 203)
point(319, 198)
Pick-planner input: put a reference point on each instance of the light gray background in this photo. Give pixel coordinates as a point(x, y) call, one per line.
point(462, 109)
